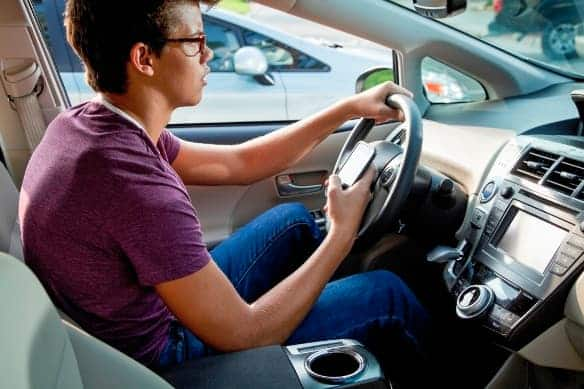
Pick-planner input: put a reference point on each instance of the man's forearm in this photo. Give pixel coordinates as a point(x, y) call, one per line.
point(276, 314)
point(270, 154)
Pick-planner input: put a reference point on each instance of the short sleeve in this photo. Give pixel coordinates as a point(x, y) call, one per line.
point(170, 143)
point(156, 228)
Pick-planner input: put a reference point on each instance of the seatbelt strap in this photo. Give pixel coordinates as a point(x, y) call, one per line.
point(23, 84)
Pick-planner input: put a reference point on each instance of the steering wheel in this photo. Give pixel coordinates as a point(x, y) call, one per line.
point(395, 166)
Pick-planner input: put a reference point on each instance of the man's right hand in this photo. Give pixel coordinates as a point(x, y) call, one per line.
point(226, 322)
point(345, 207)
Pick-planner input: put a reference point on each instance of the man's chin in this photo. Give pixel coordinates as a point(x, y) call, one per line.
point(195, 100)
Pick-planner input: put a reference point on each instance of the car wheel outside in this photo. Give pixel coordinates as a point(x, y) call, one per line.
point(559, 40)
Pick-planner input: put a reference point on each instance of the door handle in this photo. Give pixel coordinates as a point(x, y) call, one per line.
point(286, 187)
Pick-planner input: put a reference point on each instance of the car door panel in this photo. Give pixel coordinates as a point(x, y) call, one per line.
point(222, 209)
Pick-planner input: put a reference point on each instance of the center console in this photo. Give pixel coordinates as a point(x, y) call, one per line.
point(525, 236)
point(337, 363)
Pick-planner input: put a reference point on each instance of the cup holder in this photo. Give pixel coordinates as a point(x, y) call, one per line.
point(335, 365)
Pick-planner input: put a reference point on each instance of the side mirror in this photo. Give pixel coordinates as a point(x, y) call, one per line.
point(439, 8)
point(372, 77)
point(250, 61)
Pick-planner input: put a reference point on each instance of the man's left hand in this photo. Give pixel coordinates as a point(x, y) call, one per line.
point(371, 103)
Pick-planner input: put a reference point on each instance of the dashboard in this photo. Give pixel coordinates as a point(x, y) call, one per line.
point(524, 238)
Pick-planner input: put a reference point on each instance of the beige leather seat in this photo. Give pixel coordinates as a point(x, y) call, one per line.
point(41, 351)
point(37, 348)
point(9, 230)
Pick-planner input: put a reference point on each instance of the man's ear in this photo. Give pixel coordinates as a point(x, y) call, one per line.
point(141, 59)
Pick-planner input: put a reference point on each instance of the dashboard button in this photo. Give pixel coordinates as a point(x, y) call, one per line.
point(490, 227)
point(488, 191)
point(576, 241)
point(507, 192)
point(558, 269)
point(565, 260)
point(571, 251)
point(503, 316)
point(478, 218)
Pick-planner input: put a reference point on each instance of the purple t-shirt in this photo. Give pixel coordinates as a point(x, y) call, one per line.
point(105, 218)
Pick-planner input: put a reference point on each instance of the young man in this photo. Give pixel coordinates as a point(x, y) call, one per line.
point(109, 228)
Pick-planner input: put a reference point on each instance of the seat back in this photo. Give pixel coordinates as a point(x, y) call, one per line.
point(39, 351)
point(9, 229)
point(36, 351)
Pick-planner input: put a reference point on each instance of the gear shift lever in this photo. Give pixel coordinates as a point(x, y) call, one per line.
point(443, 254)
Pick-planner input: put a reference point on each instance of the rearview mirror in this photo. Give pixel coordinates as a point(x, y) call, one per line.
point(439, 8)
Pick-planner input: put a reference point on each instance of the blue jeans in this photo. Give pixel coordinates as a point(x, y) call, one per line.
point(375, 308)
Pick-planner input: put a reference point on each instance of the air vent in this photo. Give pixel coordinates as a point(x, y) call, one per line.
point(567, 177)
point(534, 164)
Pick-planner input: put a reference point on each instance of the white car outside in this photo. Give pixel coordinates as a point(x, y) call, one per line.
point(307, 75)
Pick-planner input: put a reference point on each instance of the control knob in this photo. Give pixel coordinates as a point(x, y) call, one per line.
point(474, 301)
point(507, 192)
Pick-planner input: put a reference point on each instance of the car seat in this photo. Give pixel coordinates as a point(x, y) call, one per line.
point(39, 349)
point(9, 229)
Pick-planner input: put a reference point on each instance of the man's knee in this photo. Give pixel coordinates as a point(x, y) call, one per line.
point(295, 214)
point(292, 213)
point(386, 281)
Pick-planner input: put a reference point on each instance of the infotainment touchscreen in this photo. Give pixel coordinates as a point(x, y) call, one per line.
point(531, 240)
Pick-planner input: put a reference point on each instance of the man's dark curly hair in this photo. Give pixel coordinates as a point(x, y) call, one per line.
point(102, 32)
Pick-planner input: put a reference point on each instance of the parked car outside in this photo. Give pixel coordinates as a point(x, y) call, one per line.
point(556, 20)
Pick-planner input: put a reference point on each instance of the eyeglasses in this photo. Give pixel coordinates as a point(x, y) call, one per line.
point(192, 46)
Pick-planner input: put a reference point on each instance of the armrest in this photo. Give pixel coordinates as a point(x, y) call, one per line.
point(264, 367)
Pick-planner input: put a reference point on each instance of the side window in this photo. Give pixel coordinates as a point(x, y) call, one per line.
point(49, 14)
point(229, 26)
point(443, 84)
point(224, 43)
point(282, 57)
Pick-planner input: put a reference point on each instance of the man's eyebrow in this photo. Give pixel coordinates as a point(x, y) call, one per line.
point(196, 34)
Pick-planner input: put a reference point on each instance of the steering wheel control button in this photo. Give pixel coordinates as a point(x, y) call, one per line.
point(387, 177)
point(488, 192)
point(478, 218)
point(474, 301)
point(446, 187)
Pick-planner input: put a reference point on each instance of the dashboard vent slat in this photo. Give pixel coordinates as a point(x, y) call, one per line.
point(567, 177)
point(534, 164)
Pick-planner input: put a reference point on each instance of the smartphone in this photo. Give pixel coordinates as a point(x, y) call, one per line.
point(356, 164)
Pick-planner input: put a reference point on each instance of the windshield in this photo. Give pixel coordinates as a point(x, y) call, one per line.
point(549, 32)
